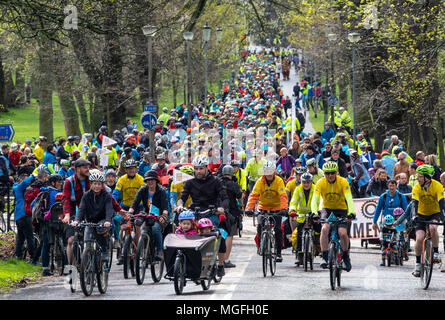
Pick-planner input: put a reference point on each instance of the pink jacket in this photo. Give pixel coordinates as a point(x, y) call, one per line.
point(188, 233)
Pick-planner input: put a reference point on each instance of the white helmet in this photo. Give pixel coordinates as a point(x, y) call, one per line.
point(14, 146)
point(201, 161)
point(269, 167)
point(96, 176)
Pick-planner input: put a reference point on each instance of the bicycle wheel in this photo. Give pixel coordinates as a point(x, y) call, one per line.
point(102, 275)
point(272, 254)
point(338, 275)
point(333, 264)
point(179, 275)
point(157, 267)
point(205, 284)
point(87, 271)
point(388, 256)
point(126, 255)
point(3, 226)
point(401, 253)
point(141, 260)
point(216, 279)
point(306, 250)
point(75, 266)
point(59, 256)
point(264, 252)
point(427, 266)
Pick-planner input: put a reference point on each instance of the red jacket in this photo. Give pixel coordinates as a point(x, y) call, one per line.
point(14, 157)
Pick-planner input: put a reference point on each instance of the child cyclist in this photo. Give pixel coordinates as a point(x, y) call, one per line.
point(187, 225)
point(387, 234)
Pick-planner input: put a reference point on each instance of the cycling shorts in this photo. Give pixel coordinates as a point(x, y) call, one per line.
point(421, 219)
point(339, 213)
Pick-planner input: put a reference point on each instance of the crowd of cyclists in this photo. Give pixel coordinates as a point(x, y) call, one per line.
point(98, 181)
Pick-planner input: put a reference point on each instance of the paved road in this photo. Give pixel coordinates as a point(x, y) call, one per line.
point(367, 280)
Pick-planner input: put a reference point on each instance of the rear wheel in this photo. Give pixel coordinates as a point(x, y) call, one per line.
point(75, 266)
point(179, 275)
point(127, 257)
point(59, 256)
point(306, 253)
point(141, 260)
point(87, 272)
point(102, 276)
point(332, 264)
point(427, 267)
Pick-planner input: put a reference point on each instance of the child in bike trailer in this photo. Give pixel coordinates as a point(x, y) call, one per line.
point(387, 234)
point(187, 225)
point(205, 225)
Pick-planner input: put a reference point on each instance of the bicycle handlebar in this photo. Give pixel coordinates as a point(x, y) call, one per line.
point(282, 213)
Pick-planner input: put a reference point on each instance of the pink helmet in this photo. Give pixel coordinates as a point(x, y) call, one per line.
point(204, 223)
point(397, 212)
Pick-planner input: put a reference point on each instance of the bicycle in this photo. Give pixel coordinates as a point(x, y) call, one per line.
point(76, 257)
point(129, 247)
point(307, 242)
point(427, 261)
point(268, 247)
point(335, 259)
point(93, 268)
point(57, 254)
point(145, 252)
point(25, 250)
point(401, 245)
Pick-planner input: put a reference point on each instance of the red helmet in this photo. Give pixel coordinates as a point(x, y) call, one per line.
point(204, 223)
point(59, 196)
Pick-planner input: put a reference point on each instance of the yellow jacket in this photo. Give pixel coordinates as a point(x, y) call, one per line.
point(271, 197)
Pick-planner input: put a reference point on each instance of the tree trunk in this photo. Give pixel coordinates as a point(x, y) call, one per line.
point(45, 83)
point(82, 110)
point(2, 87)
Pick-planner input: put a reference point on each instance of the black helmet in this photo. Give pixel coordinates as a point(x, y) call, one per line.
point(81, 162)
point(54, 178)
point(43, 138)
point(127, 150)
point(70, 138)
point(151, 174)
point(228, 170)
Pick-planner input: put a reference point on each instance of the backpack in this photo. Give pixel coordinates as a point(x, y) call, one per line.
point(30, 194)
point(302, 120)
point(317, 91)
point(40, 208)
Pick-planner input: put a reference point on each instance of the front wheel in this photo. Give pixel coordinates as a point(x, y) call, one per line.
point(127, 257)
point(333, 264)
point(141, 260)
point(87, 271)
point(272, 254)
point(205, 284)
point(179, 275)
point(264, 252)
point(306, 250)
point(75, 266)
point(427, 266)
point(102, 276)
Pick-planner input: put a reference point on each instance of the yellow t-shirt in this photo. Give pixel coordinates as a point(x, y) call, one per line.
point(291, 186)
point(333, 194)
point(429, 198)
point(129, 188)
point(178, 189)
point(271, 197)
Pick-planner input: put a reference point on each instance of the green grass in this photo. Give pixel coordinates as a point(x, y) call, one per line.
point(13, 271)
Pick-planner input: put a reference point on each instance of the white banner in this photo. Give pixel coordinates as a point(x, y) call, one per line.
point(364, 209)
point(107, 141)
point(179, 176)
point(104, 160)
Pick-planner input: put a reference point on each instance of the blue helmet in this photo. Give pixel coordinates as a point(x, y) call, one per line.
point(186, 215)
point(388, 220)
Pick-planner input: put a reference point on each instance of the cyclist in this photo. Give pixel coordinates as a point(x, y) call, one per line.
point(126, 188)
point(96, 206)
point(337, 200)
point(428, 205)
point(206, 190)
point(176, 189)
point(295, 182)
point(270, 194)
point(301, 205)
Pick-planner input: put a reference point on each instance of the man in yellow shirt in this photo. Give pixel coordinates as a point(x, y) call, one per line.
point(429, 206)
point(337, 200)
point(39, 150)
point(270, 194)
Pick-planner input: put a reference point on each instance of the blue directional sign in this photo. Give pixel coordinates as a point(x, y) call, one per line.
point(332, 101)
point(148, 120)
point(6, 132)
point(150, 108)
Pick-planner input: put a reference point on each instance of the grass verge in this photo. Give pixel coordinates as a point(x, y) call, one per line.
point(16, 273)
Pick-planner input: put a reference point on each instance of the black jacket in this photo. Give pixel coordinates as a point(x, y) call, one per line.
point(94, 208)
point(234, 192)
point(205, 192)
point(160, 199)
point(376, 187)
point(62, 154)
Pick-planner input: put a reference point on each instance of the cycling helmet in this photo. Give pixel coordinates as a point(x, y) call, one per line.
point(426, 170)
point(310, 162)
point(330, 166)
point(43, 138)
point(205, 223)
point(158, 135)
point(146, 155)
point(127, 150)
point(388, 220)
point(397, 212)
point(70, 138)
point(110, 172)
point(65, 162)
point(235, 163)
point(41, 168)
point(200, 161)
point(307, 177)
point(228, 169)
point(130, 163)
point(54, 178)
point(160, 156)
point(97, 176)
point(186, 215)
point(269, 168)
point(14, 146)
point(59, 196)
point(187, 169)
point(300, 170)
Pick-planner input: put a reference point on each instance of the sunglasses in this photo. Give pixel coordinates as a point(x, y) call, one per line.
point(330, 173)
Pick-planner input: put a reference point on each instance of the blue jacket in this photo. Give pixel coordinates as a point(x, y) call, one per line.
point(304, 157)
point(64, 173)
point(4, 166)
point(389, 164)
point(19, 194)
point(328, 134)
point(143, 168)
point(391, 202)
point(49, 158)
